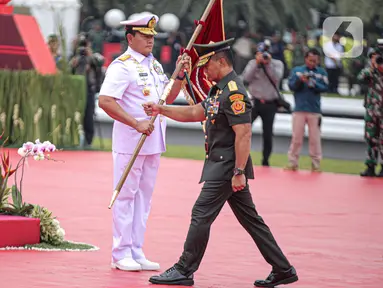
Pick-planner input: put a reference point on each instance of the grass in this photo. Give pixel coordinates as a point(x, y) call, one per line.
point(276, 160)
point(65, 246)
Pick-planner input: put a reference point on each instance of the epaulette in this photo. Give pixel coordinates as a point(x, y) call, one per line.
point(124, 57)
point(232, 86)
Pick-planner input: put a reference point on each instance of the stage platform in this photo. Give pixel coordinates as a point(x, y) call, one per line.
point(330, 227)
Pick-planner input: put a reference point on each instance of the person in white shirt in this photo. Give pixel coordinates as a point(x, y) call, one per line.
point(333, 62)
point(131, 80)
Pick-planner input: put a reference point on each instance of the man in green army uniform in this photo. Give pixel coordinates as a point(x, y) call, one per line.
point(227, 168)
point(373, 76)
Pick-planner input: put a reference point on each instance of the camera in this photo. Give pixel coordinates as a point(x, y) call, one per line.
point(82, 44)
point(309, 75)
point(265, 55)
point(264, 48)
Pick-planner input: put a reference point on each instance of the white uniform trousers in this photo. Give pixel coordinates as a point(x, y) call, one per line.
point(132, 206)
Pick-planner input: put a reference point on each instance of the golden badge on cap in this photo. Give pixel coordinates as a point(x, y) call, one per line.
point(152, 23)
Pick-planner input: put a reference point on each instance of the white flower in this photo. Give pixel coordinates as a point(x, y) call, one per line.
point(39, 156)
point(56, 222)
point(22, 152)
point(28, 146)
point(61, 232)
point(51, 148)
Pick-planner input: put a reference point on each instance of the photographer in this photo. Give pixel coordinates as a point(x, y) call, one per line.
point(85, 63)
point(263, 75)
point(307, 82)
point(373, 77)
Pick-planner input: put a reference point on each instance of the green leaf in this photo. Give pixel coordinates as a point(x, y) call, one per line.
point(4, 184)
point(15, 200)
point(15, 197)
point(25, 209)
point(4, 195)
point(9, 210)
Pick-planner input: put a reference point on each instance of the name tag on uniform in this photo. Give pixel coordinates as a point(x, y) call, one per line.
point(143, 76)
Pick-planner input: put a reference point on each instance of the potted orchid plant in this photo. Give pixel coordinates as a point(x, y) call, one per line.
point(50, 230)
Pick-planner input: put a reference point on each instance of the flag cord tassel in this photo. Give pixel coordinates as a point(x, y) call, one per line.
point(190, 85)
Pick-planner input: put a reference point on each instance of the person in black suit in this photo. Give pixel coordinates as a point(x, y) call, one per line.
point(227, 168)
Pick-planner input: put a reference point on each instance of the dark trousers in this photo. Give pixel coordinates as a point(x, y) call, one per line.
point(267, 113)
point(89, 117)
point(333, 79)
point(213, 196)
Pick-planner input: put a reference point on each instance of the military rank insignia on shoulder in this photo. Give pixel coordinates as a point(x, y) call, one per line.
point(232, 86)
point(124, 57)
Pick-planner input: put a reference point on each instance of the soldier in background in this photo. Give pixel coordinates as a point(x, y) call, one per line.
point(373, 77)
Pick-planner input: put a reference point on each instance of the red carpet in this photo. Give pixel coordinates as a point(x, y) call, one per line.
point(330, 227)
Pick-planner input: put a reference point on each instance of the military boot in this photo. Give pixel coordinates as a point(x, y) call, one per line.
point(369, 172)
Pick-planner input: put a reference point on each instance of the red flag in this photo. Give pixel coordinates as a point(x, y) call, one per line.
point(213, 30)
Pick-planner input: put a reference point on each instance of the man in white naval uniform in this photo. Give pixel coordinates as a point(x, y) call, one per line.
point(131, 80)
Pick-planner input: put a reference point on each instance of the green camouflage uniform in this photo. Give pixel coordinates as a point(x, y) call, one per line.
point(374, 115)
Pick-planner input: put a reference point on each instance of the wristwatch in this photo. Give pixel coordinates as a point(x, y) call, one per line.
point(238, 171)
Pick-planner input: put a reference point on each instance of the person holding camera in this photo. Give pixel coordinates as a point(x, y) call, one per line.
point(307, 82)
point(263, 75)
point(85, 62)
point(373, 76)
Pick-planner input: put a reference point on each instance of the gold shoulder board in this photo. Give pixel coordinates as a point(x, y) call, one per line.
point(232, 86)
point(124, 57)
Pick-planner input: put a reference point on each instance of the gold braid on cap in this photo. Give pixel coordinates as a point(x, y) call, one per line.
point(149, 27)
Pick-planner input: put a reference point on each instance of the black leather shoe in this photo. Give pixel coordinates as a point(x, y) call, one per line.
point(265, 163)
point(278, 278)
point(369, 172)
point(380, 175)
point(172, 277)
